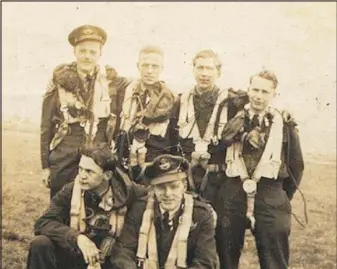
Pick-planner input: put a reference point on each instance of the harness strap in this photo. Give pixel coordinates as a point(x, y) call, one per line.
point(147, 241)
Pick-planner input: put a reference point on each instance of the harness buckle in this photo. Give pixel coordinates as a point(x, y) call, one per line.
point(250, 187)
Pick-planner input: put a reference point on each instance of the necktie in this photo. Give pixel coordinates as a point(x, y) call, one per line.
point(255, 121)
point(166, 221)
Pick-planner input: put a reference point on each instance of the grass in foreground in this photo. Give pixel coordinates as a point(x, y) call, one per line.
point(25, 198)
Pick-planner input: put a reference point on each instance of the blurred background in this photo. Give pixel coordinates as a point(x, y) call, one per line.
point(295, 40)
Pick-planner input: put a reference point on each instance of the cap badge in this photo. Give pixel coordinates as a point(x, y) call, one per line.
point(87, 32)
point(164, 164)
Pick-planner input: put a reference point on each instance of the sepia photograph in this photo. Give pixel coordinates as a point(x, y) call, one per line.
point(168, 135)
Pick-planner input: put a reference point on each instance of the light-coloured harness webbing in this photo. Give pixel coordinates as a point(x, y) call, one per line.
point(268, 166)
point(147, 242)
point(186, 122)
point(138, 150)
point(145, 228)
point(77, 213)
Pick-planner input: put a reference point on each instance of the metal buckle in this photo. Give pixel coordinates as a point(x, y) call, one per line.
point(140, 263)
point(249, 186)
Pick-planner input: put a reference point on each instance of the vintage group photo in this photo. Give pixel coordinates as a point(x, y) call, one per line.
point(158, 135)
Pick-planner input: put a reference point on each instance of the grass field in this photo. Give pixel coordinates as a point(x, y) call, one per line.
point(25, 198)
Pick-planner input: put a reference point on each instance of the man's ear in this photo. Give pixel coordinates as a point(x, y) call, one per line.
point(185, 184)
point(107, 175)
point(137, 64)
point(274, 92)
point(218, 73)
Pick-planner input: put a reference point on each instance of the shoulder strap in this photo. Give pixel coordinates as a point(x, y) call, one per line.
point(145, 229)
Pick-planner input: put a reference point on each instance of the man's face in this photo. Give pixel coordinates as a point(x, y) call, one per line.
point(87, 54)
point(170, 194)
point(260, 93)
point(90, 174)
point(150, 66)
point(205, 73)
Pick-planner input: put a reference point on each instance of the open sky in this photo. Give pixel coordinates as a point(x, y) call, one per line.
point(296, 40)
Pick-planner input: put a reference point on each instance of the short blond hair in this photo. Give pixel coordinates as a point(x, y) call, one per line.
point(207, 53)
point(151, 49)
point(266, 74)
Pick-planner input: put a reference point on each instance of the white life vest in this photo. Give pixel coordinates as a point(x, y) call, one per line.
point(187, 121)
point(77, 212)
point(270, 161)
point(129, 111)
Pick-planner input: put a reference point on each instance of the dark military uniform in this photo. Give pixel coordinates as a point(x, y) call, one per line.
point(155, 144)
point(200, 245)
point(204, 104)
point(201, 252)
point(55, 243)
point(272, 206)
point(64, 158)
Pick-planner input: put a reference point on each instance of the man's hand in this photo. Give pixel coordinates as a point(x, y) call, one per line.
point(288, 118)
point(89, 250)
point(46, 177)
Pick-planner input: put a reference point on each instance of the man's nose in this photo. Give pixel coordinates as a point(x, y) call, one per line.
point(150, 69)
point(258, 95)
point(86, 55)
point(82, 174)
point(204, 72)
point(168, 191)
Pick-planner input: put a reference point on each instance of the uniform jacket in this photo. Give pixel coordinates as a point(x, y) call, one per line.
point(52, 117)
point(201, 251)
point(292, 167)
point(55, 222)
point(234, 102)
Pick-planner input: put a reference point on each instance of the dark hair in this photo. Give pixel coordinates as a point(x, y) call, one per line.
point(207, 53)
point(266, 74)
point(101, 154)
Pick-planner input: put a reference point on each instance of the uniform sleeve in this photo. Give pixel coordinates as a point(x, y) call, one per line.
point(173, 127)
point(124, 253)
point(205, 255)
point(294, 161)
point(55, 221)
point(117, 88)
point(139, 191)
point(47, 127)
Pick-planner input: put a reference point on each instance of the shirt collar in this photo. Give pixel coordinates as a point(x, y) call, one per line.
point(201, 93)
point(251, 113)
point(107, 200)
point(83, 75)
point(172, 213)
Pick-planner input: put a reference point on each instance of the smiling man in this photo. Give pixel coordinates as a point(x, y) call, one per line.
point(76, 108)
point(168, 229)
point(85, 217)
point(146, 110)
point(264, 167)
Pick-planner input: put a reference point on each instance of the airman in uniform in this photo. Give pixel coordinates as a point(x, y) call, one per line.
point(145, 109)
point(85, 217)
point(76, 108)
point(170, 228)
point(264, 166)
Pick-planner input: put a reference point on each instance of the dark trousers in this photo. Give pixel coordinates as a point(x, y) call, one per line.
point(64, 159)
point(273, 219)
point(208, 186)
point(44, 254)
